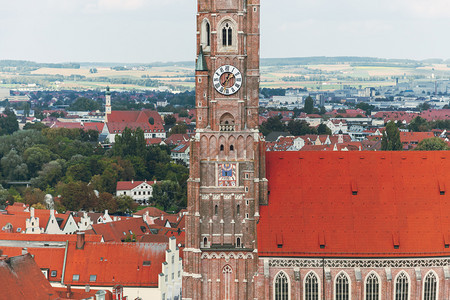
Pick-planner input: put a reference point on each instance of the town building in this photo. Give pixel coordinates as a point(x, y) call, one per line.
point(307, 225)
point(140, 191)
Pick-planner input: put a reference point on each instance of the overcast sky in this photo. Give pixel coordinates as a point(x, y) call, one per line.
point(164, 30)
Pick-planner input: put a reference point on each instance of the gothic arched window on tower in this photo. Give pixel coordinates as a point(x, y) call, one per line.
point(238, 209)
point(222, 147)
point(216, 210)
point(205, 35)
point(430, 287)
point(205, 242)
point(401, 287)
point(227, 273)
point(238, 242)
point(311, 287)
point(227, 35)
point(208, 34)
point(281, 287)
point(372, 287)
point(231, 148)
point(342, 287)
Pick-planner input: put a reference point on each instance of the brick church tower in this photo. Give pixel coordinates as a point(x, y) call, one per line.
point(227, 162)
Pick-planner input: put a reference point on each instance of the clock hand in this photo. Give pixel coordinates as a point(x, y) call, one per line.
point(228, 79)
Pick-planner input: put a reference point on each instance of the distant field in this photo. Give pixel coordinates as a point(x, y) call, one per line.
point(316, 76)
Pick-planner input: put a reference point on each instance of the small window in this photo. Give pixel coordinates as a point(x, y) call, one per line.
point(75, 277)
point(205, 241)
point(93, 278)
point(173, 259)
point(208, 34)
point(222, 147)
point(216, 210)
point(238, 209)
point(238, 242)
point(246, 216)
point(53, 273)
point(227, 35)
point(147, 263)
point(231, 148)
point(246, 188)
point(246, 175)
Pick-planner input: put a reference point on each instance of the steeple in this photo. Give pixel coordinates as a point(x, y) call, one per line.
point(107, 104)
point(201, 61)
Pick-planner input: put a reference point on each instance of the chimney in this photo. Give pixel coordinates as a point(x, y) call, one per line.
point(80, 240)
point(132, 180)
point(87, 288)
point(32, 212)
point(24, 251)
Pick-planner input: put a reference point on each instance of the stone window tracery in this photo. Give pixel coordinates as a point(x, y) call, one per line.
point(430, 287)
point(342, 287)
point(372, 287)
point(402, 287)
point(227, 274)
point(311, 287)
point(227, 35)
point(281, 286)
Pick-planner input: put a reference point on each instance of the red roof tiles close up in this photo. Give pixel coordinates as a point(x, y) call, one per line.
point(356, 202)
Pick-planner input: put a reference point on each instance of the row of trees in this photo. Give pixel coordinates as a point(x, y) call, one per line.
point(67, 161)
point(294, 127)
point(390, 141)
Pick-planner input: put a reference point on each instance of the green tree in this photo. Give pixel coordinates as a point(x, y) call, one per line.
point(32, 196)
point(36, 156)
point(50, 174)
point(13, 166)
point(309, 105)
point(300, 127)
point(423, 106)
point(419, 124)
point(106, 201)
point(366, 107)
point(432, 144)
point(323, 129)
point(272, 124)
point(390, 140)
point(165, 194)
point(84, 104)
point(125, 204)
point(36, 126)
point(5, 197)
point(179, 128)
point(8, 123)
point(170, 120)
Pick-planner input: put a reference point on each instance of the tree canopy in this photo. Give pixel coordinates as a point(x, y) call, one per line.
point(390, 141)
point(432, 144)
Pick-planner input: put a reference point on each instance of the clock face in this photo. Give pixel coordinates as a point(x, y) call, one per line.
point(227, 80)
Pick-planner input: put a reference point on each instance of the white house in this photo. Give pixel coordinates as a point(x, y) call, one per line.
point(170, 278)
point(140, 191)
point(181, 153)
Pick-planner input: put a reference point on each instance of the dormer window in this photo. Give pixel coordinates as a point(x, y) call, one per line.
point(227, 35)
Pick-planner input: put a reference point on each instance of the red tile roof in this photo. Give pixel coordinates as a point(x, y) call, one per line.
point(118, 120)
point(118, 230)
point(356, 203)
point(21, 278)
point(436, 114)
point(116, 263)
point(152, 212)
point(129, 185)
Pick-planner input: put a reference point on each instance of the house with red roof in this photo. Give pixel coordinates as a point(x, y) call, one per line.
point(140, 191)
point(410, 140)
point(148, 120)
point(181, 153)
point(147, 270)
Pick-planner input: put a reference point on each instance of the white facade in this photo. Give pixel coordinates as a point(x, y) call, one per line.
point(170, 279)
point(140, 193)
point(32, 223)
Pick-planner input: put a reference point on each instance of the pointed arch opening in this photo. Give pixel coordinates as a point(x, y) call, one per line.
point(401, 286)
point(342, 287)
point(281, 286)
point(238, 242)
point(205, 35)
point(227, 122)
point(430, 286)
point(311, 287)
point(372, 287)
point(227, 277)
